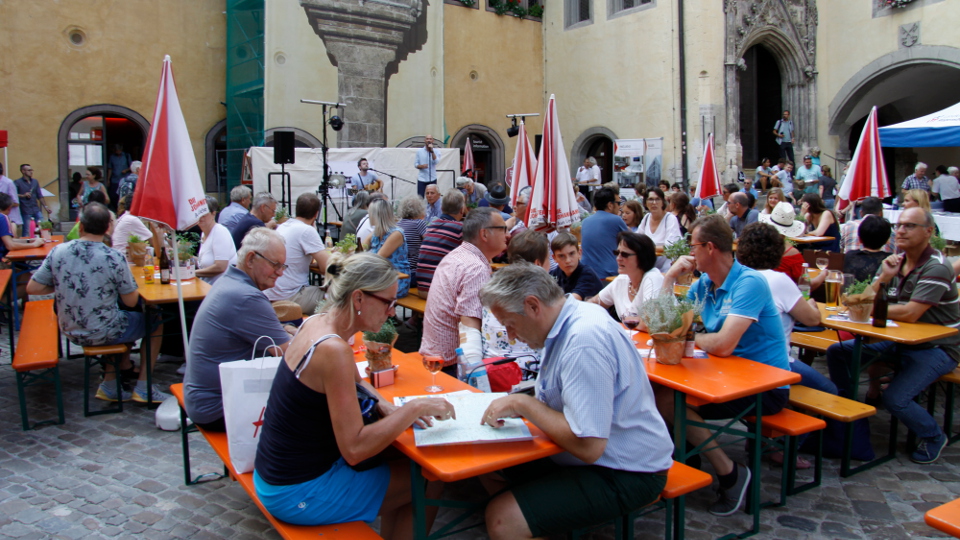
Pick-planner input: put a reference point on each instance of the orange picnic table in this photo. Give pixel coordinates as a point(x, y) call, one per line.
point(945, 518)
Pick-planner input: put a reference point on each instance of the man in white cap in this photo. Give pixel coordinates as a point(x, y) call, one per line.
point(129, 182)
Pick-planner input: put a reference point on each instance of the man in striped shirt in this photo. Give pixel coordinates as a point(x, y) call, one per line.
point(443, 235)
point(921, 286)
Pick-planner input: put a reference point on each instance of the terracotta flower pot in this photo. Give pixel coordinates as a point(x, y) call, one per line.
point(668, 349)
point(860, 312)
point(378, 354)
point(137, 253)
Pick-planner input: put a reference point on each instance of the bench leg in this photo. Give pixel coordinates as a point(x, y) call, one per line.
point(21, 382)
point(792, 489)
point(92, 361)
point(25, 379)
point(948, 403)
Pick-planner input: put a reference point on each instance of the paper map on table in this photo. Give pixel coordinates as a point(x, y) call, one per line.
point(467, 429)
point(844, 318)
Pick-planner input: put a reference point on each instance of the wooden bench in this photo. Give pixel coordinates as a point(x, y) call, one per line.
point(91, 359)
point(5, 276)
point(37, 358)
point(356, 530)
point(945, 518)
point(814, 341)
point(950, 382)
point(790, 425)
point(413, 302)
point(842, 410)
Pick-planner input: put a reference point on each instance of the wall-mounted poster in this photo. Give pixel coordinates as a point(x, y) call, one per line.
point(653, 159)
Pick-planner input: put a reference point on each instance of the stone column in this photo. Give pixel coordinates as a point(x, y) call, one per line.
point(362, 40)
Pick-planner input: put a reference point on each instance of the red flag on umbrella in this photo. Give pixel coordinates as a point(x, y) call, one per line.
point(708, 181)
point(867, 175)
point(468, 163)
point(169, 190)
point(553, 204)
point(524, 167)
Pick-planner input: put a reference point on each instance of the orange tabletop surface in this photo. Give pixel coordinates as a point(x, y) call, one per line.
point(810, 239)
point(497, 266)
point(905, 333)
point(35, 253)
point(155, 293)
point(457, 462)
point(716, 379)
point(945, 517)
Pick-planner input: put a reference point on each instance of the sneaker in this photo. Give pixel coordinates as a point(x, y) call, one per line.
point(929, 449)
point(140, 394)
point(730, 500)
point(107, 391)
point(182, 370)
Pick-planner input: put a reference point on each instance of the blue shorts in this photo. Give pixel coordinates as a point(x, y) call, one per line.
point(135, 328)
point(339, 495)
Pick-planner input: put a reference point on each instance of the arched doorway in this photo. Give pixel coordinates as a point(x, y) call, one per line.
point(890, 83)
point(88, 137)
point(596, 142)
point(760, 105)
point(487, 152)
point(215, 152)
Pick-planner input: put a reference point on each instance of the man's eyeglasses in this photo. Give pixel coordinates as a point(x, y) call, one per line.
point(624, 254)
point(698, 244)
point(276, 266)
point(907, 226)
point(500, 227)
point(390, 303)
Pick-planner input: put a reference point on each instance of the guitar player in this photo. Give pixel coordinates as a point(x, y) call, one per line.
point(365, 180)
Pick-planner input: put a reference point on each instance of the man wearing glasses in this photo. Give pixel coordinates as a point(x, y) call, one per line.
point(920, 284)
point(599, 233)
point(220, 335)
point(453, 306)
point(740, 319)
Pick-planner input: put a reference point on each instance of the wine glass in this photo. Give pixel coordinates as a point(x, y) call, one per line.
point(433, 364)
point(848, 281)
point(631, 318)
point(822, 263)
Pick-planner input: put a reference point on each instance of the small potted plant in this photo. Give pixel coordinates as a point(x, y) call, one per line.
point(136, 250)
point(347, 245)
point(674, 251)
point(858, 299)
point(379, 344)
point(281, 215)
point(186, 255)
point(46, 229)
point(668, 320)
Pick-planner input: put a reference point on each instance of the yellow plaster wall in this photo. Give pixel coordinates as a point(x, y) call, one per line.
point(43, 77)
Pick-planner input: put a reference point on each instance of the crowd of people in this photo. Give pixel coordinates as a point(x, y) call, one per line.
point(319, 460)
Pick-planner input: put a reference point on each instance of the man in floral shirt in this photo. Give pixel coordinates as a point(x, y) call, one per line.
point(89, 280)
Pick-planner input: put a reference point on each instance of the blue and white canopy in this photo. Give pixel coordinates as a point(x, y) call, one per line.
point(941, 128)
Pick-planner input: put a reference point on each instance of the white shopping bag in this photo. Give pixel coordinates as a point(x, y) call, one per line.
point(246, 387)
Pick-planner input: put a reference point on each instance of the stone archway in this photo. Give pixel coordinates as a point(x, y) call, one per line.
point(63, 158)
point(787, 29)
point(589, 140)
point(492, 138)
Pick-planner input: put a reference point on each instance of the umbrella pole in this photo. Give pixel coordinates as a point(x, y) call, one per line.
point(183, 316)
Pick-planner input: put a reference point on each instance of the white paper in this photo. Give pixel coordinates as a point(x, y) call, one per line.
point(78, 155)
point(94, 155)
point(844, 318)
point(467, 428)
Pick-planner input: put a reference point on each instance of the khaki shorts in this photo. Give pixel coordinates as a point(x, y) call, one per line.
point(308, 297)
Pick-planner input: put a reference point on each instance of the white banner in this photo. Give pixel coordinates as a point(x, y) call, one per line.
point(653, 161)
point(629, 147)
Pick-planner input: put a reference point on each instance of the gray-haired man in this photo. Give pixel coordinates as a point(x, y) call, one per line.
point(261, 215)
point(240, 198)
point(592, 398)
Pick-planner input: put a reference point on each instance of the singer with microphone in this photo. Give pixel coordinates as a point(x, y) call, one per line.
point(365, 179)
point(427, 164)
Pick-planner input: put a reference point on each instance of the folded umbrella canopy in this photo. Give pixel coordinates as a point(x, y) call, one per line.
point(553, 204)
point(524, 168)
point(867, 175)
point(708, 181)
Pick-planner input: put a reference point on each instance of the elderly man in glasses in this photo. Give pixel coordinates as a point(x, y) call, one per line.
point(219, 335)
point(920, 284)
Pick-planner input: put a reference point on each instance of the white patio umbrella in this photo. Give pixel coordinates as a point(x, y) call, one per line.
point(524, 167)
point(867, 175)
point(553, 204)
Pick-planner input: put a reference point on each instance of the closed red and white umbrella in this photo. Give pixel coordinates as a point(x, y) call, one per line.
point(524, 167)
point(468, 163)
point(553, 204)
point(867, 175)
point(708, 181)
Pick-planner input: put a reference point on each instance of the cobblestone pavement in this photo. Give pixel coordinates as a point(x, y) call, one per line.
point(118, 476)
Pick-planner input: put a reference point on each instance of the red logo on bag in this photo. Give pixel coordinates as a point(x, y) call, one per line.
point(258, 423)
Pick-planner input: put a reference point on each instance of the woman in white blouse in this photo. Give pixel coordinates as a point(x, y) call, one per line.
point(638, 281)
point(661, 226)
point(217, 250)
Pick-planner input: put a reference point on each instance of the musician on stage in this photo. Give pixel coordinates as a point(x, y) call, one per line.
point(365, 179)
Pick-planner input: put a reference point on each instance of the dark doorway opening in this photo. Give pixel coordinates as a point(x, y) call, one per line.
point(482, 159)
point(91, 143)
point(761, 105)
point(601, 149)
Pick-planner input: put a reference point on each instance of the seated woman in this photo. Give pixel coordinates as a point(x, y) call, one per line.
point(874, 232)
point(217, 250)
point(659, 225)
point(774, 197)
point(388, 241)
point(412, 212)
point(914, 198)
point(532, 247)
point(638, 279)
point(759, 248)
point(763, 175)
point(315, 438)
point(358, 211)
point(782, 219)
point(632, 213)
point(820, 222)
point(684, 212)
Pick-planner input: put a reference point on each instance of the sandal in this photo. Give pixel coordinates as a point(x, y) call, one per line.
point(802, 463)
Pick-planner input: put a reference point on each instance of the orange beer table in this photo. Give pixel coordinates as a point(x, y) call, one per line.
point(153, 295)
point(717, 380)
point(945, 518)
point(455, 462)
point(19, 260)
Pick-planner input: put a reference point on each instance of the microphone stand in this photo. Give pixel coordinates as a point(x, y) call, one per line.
point(393, 183)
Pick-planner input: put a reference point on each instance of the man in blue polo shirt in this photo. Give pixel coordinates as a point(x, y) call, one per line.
point(740, 319)
point(599, 233)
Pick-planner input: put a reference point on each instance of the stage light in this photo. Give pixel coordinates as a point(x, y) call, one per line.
point(336, 123)
point(514, 129)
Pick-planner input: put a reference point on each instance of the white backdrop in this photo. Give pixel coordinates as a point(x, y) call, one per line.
point(307, 172)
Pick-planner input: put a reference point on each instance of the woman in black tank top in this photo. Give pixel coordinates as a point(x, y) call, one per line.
point(313, 432)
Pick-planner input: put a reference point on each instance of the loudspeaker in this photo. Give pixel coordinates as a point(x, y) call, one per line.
point(283, 147)
point(537, 139)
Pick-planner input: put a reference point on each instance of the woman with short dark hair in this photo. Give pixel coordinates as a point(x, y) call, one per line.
point(638, 279)
point(874, 232)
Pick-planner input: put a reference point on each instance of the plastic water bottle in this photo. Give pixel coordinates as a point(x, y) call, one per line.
point(33, 228)
point(474, 374)
point(461, 365)
point(804, 282)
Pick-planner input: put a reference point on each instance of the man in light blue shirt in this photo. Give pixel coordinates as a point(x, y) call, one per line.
point(783, 130)
point(432, 195)
point(593, 399)
point(240, 199)
point(599, 233)
point(364, 179)
point(740, 319)
point(809, 176)
point(427, 163)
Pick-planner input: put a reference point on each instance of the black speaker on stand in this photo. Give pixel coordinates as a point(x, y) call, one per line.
point(283, 153)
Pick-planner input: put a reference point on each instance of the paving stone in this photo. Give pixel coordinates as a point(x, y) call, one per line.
point(864, 493)
point(145, 500)
point(798, 523)
point(151, 486)
point(134, 527)
point(837, 530)
point(912, 476)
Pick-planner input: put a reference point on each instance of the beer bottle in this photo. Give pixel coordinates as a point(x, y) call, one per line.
point(880, 303)
point(164, 267)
